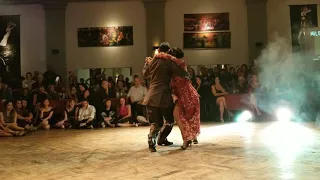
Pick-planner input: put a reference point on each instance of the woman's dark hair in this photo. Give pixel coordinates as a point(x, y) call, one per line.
point(193, 72)
point(123, 83)
point(164, 47)
point(5, 104)
point(125, 100)
point(110, 79)
point(106, 100)
point(177, 52)
point(245, 66)
point(200, 77)
point(84, 85)
point(42, 103)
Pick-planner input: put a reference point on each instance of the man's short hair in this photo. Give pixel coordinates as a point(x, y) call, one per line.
point(136, 77)
point(104, 80)
point(164, 47)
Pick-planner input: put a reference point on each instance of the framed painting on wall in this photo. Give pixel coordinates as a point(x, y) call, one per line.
point(105, 36)
point(302, 18)
point(10, 60)
point(206, 22)
point(204, 40)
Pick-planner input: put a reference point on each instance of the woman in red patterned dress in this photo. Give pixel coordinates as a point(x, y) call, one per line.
point(187, 108)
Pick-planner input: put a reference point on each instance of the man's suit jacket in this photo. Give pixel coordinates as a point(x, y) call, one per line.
point(159, 73)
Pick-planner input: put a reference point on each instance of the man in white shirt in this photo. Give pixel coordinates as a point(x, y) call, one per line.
point(136, 95)
point(86, 115)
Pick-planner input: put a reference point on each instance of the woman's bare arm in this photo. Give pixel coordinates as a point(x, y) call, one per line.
point(15, 117)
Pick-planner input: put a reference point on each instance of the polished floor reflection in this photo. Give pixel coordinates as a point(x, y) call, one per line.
point(240, 151)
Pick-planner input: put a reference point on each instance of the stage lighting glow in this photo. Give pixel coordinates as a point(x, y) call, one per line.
point(244, 116)
point(284, 114)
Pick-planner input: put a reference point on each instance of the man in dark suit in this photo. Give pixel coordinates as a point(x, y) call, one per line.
point(159, 100)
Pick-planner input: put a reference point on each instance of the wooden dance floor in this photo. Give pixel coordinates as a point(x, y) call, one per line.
point(240, 151)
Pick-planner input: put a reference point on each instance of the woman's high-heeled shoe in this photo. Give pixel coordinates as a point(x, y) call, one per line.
point(186, 145)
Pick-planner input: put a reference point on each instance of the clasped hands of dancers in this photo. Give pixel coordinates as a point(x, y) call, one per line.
point(170, 96)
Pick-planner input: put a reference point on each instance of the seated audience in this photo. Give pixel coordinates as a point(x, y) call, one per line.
point(72, 94)
point(6, 132)
point(6, 93)
point(39, 82)
point(71, 110)
point(242, 86)
point(86, 115)
point(245, 71)
point(39, 97)
point(215, 72)
point(128, 84)
point(52, 94)
point(112, 89)
point(219, 94)
point(120, 78)
point(108, 115)
point(8, 117)
point(121, 89)
point(124, 113)
point(223, 77)
point(27, 83)
point(24, 117)
point(83, 92)
point(63, 93)
point(46, 113)
point(232, 81)
point(104, 90)
point(136, 95)
point(26, 95)
point(59, 117)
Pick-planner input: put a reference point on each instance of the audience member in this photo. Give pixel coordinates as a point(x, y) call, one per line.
point(8, 117)
point(28, 82)
point(108, 115)
point(71, 111)
point(52, 94)
point(24, 117)
point(124, 113)
point(83, 92)
point(86, 115)
point(136, 95)
point(121, 89)
point(46, 113)
point(219, 94)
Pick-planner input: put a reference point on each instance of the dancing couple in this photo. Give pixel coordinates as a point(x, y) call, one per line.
point(170, 96)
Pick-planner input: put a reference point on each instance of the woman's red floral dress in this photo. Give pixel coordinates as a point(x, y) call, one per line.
point(188, 101)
